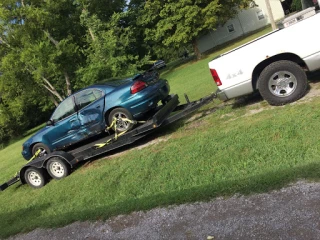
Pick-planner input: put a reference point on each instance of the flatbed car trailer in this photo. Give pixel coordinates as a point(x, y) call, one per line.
point(58, 164)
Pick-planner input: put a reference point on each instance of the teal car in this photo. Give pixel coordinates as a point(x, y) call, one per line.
point(89, 111)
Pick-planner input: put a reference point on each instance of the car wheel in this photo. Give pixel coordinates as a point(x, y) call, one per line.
point(35, 177)
point(119, 114)
point(282, 82)
point(44, 149)
point(57, 168)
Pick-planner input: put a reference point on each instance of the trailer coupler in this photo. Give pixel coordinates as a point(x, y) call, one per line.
point(9, 183)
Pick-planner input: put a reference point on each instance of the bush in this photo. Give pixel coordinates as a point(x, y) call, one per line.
point(296, 5)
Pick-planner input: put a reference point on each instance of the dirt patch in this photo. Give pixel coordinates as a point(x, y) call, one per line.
point(258, 107)
point(196, 124)
point(313, 92)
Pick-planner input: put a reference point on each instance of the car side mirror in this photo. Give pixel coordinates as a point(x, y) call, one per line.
point(50, 123)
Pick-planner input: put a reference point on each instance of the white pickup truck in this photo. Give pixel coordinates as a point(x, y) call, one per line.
point(274, 64)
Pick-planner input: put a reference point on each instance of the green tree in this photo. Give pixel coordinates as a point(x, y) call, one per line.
point(116, 47)
point(42, 46)
point(44, 37)
point(296, 5)
point(177, 23)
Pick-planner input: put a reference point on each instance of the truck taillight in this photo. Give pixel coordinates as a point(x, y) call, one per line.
point(137, 86)
point(215, 77)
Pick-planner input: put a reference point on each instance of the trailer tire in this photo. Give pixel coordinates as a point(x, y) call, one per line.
point(44, 149)
point(119, 113)
point(57, 168)
point(35, 177)
point(282, 82)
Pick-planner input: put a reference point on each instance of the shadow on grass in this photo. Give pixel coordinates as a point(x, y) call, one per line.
point(314, 76)
point(255, 184)
point(16, 222)
point(247, 100)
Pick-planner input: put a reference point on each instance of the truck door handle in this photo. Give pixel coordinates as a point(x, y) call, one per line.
point(98, 106)
point(72, 120)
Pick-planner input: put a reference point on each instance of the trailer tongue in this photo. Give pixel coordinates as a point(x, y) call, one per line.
point(59, 164)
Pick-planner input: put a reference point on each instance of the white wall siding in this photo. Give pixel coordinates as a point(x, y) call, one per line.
point(246, 21)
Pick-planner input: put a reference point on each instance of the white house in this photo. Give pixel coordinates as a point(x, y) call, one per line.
point(246, 21)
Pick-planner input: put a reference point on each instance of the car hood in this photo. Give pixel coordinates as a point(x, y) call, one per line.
point(37, 135)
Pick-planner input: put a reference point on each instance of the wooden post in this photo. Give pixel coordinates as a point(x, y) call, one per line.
point(273, 24)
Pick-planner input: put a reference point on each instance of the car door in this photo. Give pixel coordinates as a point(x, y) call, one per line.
point(65, 126)
point(90, 104)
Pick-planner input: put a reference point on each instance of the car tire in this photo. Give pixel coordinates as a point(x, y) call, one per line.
point(44, 149)
point(282, 82)
point(119, 113)
point(35, 177)
point(58, 168)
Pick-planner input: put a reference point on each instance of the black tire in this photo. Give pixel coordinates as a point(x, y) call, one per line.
point(58, 168)
point(282, 82)
point(44, 149)
point(119, 113)
point(166, 100)
point(35, 177)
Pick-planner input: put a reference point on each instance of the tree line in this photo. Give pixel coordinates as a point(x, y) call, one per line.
point(49, 48)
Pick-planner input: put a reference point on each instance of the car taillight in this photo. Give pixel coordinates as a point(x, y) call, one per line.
point(137, 86)
point(215, 77)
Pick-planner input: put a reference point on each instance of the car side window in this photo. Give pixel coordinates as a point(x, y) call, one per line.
point(87, 96)
point(65, 109)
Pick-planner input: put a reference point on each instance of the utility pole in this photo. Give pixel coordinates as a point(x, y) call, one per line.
point(273, 24)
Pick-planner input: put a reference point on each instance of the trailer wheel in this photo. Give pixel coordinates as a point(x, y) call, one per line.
point(57, 168)
point(282, 82)
point(35, 177)
point(119, 114)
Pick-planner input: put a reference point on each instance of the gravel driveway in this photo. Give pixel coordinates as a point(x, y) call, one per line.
point(290, 213)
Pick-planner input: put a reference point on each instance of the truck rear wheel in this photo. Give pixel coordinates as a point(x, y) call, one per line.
point(57, 168)
point(35, 177)
point(282, 82)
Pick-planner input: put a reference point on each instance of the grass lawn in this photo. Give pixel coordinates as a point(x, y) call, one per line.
point(225, 149)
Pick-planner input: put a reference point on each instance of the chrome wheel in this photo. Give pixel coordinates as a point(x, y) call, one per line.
point(34, 178)
point(122, 125)
point(43, 152)
point(120, 114)
point(282, 83)
point(44, 149)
